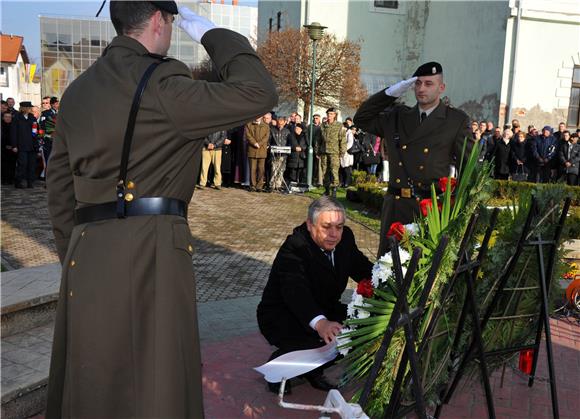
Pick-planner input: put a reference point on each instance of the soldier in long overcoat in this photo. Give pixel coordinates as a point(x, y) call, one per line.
point(126, 340)
point(422, 142)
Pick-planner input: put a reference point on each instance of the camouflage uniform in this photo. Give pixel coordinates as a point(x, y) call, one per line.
point(333, 145)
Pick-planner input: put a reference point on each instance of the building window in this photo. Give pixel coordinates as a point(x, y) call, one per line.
point(574, 108)
point(386, 4)
point(3, 77)
point(278, 21)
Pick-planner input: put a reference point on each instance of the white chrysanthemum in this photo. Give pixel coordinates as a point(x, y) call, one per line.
point(362, 314)
point(411, 228)
point(357, 299)
point(386, 259)
point(404, 255)
point(350, 310)
point(343, 342)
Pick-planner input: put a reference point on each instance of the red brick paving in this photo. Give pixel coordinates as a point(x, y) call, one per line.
point(233, 390)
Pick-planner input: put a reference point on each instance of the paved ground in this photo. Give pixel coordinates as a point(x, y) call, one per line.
point(237, 235)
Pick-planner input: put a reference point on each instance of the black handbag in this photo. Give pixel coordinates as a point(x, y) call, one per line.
point(369, 157)
point(520, 175)
point(356, 148)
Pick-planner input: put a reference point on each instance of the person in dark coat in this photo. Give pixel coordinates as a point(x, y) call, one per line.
point(544, 151)
point(23, 132)
point(126, 342)
point(422, 142)
point(569, 157)
point(518, 156)
point(297, 159)
point(502, 156)
point(8, 155)
point(300, 306)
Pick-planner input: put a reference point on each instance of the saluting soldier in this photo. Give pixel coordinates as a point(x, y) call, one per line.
point(421, 142)
point(126, 341)
point(332, 146)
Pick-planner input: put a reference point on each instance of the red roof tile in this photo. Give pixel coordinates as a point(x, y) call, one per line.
point(10, 47)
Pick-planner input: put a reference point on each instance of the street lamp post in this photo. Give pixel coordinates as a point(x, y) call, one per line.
point(315, 32)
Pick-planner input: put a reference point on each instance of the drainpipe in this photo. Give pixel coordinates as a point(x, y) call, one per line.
point(514, 62)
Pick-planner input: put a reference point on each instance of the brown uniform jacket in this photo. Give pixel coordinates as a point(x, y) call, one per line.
point(257, 134)
point(425, 150)
point(126, 338)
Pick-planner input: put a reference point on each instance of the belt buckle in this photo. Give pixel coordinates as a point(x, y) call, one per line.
point(405, 192)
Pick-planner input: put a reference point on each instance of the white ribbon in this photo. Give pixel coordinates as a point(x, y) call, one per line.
point(296, 363)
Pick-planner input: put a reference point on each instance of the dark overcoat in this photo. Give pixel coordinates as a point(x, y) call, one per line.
point(303, 284)
point(126, 340)
point(21, 135)
point(426, 150)
point(297, 159)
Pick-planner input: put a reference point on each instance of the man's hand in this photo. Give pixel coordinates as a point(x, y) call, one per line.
point(195, 25)
point(256, 145)
point(568, 164)
point(14, 150)
point(210, 146)
point(397, 89)
point(227, 142)
point(298, 149)
point(327, 330)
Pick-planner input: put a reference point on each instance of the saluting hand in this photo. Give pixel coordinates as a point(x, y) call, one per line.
point(327, 329)
point(195, 25)
point(397, 89)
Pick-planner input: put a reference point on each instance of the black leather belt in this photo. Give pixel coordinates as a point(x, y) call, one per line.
point(413, 193)
point(140, 206)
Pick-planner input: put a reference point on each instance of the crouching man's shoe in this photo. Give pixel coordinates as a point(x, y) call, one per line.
point(275, 387)
point(320, 382)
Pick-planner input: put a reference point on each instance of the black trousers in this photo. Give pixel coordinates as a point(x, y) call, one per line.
point(572, 179)
point(26, 167)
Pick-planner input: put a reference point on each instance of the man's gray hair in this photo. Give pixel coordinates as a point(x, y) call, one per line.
point(324, 203)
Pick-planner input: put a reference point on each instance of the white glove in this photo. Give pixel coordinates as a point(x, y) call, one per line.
point(195, 25)
point(397, 89)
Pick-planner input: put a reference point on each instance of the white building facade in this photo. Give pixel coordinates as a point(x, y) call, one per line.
point(475, 41)
point(17, 76)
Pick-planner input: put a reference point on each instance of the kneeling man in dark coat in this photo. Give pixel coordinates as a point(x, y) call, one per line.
point(300, 307)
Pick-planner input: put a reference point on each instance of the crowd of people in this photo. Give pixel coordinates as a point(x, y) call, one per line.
point(27, 140)
point(270, 153)
point(534, 156)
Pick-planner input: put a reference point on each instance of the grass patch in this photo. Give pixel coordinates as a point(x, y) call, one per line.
point(355, 211)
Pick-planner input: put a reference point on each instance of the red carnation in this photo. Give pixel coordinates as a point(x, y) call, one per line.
point(426, 204)
point(365, 288)
point(443, 183)
point(397, 229)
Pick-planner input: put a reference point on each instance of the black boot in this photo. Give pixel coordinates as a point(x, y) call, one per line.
point(326, 190)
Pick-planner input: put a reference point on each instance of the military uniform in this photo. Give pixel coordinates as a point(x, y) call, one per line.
point(126, 339)
point(47, 124)
point(423, 153)
point(333, 145)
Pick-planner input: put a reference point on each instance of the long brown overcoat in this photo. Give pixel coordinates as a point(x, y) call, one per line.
point(424, 153)
point(126, 340)
point(257, 133)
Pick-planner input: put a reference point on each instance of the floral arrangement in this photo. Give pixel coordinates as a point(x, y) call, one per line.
point(573, 271)
point(372, 303)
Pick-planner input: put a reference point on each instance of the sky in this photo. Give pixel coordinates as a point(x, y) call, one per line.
point(20, 17)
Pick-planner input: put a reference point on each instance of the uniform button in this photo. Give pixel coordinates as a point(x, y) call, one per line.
point(400, 163)
point(425, 150)
point(72, 263)
point(129, 197)
point(404, 147)
point(70, 293)
point(83, 234)
point(398, 180)
point(421, 167)
point(130, 185)
point(419, 184)
point(190, 248)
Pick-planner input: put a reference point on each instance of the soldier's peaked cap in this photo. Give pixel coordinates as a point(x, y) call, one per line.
point(428, 69)
point(166, 6)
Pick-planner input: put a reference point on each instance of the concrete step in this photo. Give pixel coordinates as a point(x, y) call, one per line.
point(28, 306)
point(29, 298)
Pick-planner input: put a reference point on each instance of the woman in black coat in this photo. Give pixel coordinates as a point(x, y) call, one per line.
point(518, 157)
point(297, 158)
point(8, 156)
point(502, 155)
